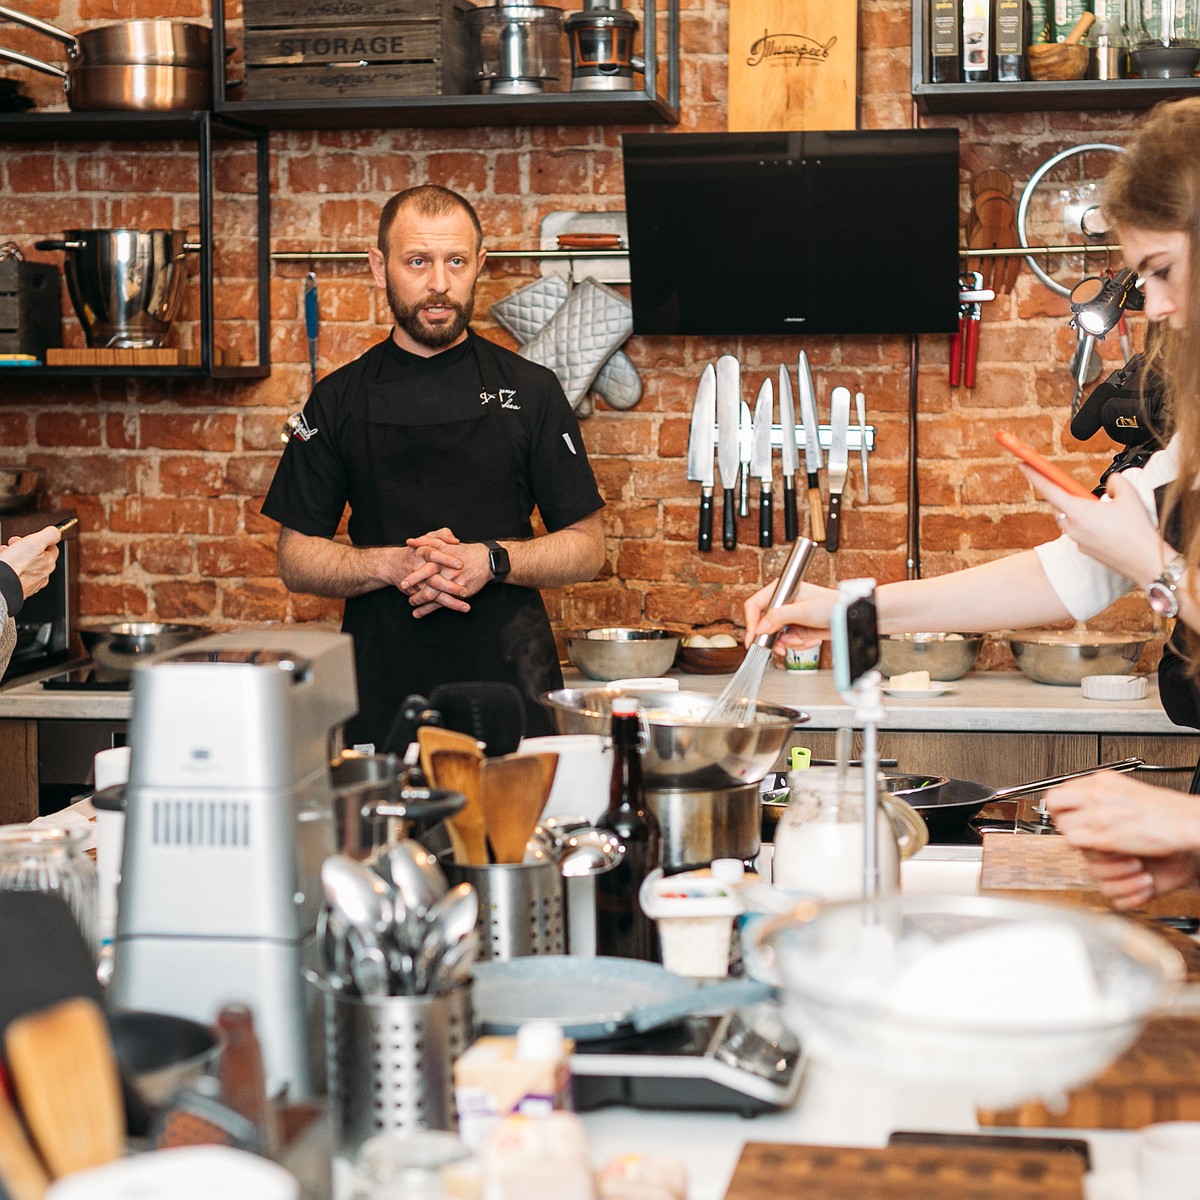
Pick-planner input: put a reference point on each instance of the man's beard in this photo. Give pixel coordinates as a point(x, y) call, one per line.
point(435, 337)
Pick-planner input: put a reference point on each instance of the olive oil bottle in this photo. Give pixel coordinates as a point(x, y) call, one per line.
point(1013, 20)
point(945, 41)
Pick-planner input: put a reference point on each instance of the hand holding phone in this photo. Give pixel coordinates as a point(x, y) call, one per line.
point(1043, 466)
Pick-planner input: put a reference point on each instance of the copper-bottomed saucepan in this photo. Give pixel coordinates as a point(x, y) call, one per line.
point(151, 43)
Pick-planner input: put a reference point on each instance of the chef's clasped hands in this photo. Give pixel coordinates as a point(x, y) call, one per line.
point(449, 572)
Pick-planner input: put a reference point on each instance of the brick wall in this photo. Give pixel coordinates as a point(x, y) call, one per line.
point(168, 476)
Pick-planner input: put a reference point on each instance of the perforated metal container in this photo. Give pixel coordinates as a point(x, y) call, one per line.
point(520, 907)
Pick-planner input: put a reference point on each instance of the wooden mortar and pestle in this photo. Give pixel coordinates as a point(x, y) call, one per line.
point(1061, 60)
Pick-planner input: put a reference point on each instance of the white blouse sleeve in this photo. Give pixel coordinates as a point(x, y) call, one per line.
point(1084, 585)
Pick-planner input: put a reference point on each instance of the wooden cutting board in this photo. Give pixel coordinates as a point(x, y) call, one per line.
point(1045, 867)
point(768, 1172)
point(793, 64)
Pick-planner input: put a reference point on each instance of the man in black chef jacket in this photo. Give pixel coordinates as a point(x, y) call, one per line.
point(442, 443)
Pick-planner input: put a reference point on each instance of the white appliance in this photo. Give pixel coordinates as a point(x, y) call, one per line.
point(228, 817)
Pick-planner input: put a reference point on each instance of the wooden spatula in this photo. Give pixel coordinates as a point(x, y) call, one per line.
point(511, 791)
point(432, 737)
point(21, 1172)
point(65, 1076)
point(459, 770)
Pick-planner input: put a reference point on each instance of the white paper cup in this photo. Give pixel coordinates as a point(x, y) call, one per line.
point(1169, 1161)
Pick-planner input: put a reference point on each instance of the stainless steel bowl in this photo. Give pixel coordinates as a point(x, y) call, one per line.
point(619, 653)
point(944, 655)
point(683, 750)
point(1063, 659)
point(162, 1052)
point(119, 647)
point(18, 486)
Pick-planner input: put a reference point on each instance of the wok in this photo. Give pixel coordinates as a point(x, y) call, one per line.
point(948, 804)
point(594, 998)
point(126, 87)
point(150, 43)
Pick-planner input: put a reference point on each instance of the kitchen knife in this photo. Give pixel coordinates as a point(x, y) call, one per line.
point(812, 449)
point(760, 458)
point(839, 463)
point(700, 450)
point(312, 320)
point(860, 408)
point(788, 454)
point(745, 438)
point(729, 411)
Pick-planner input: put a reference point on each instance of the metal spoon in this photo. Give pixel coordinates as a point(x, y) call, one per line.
point(588, 852)
point(359, 896)
point(450, 920)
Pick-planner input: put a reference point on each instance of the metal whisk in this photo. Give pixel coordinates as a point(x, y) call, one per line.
point(737, 702)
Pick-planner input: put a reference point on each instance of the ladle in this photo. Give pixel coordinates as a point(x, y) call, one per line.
point(588, 852)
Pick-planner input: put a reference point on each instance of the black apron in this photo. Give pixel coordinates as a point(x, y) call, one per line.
point(461, 475)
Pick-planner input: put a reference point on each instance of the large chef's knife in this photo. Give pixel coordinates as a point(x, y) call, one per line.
point(788, 456)
point(760, 458)
point(860, 408)
point(729, 414)
point(745, 439)
point(812, 449)
point(700, 450)
point(839, 463)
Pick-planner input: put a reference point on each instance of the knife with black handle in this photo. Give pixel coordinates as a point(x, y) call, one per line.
point(839, 464)
point(729, 416)
point(700, 451)
point(788, 455)
point(760, 459)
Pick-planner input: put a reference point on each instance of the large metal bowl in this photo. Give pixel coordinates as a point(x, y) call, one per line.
point(944, 655)
point(618, 653)
point(683, 750)
point(1063, 659)
point(162, 1052)
point(18, 486)
point(121, 646)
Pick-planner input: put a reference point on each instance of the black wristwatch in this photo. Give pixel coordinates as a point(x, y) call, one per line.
point(498, 560)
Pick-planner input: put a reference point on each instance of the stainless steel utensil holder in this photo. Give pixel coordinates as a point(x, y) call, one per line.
point(520, 907)
point(391, 1062)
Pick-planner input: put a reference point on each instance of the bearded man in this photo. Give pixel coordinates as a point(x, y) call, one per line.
point(442, 444)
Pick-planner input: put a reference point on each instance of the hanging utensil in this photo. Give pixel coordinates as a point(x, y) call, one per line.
point(700, 451)
point(729, 386)
point(745, 436)
point(788, 454)
point(839, 464)
point(812, 449)
point(860, 408)
point(760, 458)
point(311, 325)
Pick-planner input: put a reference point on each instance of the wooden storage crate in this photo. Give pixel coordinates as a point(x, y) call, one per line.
point(30, 307)
point(369, 49)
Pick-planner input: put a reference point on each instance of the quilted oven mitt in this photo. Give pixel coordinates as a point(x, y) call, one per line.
point(528, 311)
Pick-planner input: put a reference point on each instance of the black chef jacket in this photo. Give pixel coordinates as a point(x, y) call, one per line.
point(473, 438)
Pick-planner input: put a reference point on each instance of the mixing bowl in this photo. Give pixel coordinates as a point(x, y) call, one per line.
point(18, 485)
point(618, 653)
point(162, 1052)
point(944, 655)
point(1014, 1001)
point(682, 749)
point(1065, 658)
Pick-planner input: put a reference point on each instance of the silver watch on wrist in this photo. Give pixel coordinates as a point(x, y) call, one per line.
point(1161, 594)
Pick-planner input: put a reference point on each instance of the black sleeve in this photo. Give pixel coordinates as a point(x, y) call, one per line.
point(1177, 690)
point(10, 589)
point(564, 486)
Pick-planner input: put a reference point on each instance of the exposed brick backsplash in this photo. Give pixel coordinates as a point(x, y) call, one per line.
point(168, 475)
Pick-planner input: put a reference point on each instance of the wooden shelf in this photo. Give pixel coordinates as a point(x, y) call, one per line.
point(1031, 95)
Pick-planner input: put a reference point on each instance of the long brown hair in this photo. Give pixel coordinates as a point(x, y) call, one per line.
point(1155, 186)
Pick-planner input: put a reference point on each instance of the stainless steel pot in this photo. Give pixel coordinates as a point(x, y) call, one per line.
point(698, 826)
point(126, 88)
point(125, 284)
point(151, 43)
point(121, 646)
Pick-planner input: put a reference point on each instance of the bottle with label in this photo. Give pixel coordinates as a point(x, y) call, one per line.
point(945, 44)
point(622, 929)
point(1013, 20)
point(1065, 14)
point(976, 41)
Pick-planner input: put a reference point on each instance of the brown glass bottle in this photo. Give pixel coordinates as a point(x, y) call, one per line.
point(622, 929)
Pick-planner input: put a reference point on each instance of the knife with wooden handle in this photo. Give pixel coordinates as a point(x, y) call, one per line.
point(788, 454)
point(812, 449)
point(729, 412)
point(839, 464)
point(700, 451)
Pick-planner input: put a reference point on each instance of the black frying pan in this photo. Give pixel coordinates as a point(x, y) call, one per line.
point(948, 804)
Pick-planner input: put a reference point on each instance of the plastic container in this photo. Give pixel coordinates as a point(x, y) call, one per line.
point(695, 914)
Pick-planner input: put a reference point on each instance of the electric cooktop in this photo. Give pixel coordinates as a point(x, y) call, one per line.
point(87, 679)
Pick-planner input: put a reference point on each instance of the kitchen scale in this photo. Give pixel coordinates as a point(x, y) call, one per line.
point(701, 1064)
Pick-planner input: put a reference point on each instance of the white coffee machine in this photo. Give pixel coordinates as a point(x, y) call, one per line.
point(228, 818)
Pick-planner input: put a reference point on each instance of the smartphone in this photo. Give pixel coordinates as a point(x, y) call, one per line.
point(1043, 466)
point(66, 525)
point(854, 632)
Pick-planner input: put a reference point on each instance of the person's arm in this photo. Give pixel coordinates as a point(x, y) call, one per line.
point(567, 555)
point(1010, 592)
point(323, 567)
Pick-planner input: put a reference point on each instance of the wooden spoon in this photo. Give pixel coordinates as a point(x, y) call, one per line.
point(21, 1171)
point(65, 1076)
point(511, 789)
point(433, 737)
point(459, 770)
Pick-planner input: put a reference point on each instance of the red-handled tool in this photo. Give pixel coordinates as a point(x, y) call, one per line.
point(956, 341)
point(964, 345)
point(970, 352)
